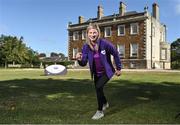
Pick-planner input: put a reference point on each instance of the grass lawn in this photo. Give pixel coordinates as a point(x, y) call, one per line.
point(27, 96)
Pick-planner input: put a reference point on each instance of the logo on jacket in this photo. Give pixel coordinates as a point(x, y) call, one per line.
point(103, 52)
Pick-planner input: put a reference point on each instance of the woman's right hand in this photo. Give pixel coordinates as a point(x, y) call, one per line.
point(79, 56)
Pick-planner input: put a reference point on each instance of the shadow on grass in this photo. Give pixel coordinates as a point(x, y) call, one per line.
point(73, 97)
point(128, 94)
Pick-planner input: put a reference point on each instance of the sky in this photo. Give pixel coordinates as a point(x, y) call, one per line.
point(43, 23)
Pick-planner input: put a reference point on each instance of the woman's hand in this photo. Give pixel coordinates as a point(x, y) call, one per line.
point(79, 56)
point(118, 72)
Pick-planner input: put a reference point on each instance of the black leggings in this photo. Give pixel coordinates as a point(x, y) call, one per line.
point(100, 81)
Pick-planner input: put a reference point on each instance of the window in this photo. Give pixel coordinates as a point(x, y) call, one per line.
point(76, 35)
point(83, 34)
point(107, 31)
point(121, 30)
point(75, 51)
point(163, 54)
point(121, 50)
point(133, 65)
point(134, 28)
point(134, 50)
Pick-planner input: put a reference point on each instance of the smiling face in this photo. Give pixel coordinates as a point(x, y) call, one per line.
point(93, 34)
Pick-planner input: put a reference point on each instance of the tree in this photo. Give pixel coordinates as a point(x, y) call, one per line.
point(14, 50)
point(1, 49)
point(42, 55)
point(33, 57)
point(53, 54)
point(7, 49)
point(22, 52)
point(175, 54)
point(62, 56)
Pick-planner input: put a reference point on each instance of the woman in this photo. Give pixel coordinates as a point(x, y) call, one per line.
point(98, 51)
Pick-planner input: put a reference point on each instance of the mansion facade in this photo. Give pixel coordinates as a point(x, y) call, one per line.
point(139, 37)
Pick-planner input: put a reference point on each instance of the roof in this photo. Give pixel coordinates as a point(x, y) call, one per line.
point(110, 17)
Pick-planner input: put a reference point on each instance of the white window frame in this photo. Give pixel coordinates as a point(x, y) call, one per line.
point(131, 54)
point(118, 49)
point(121, 26)
point(74, 35)
point(75, 51)
point(83, 34)
point(163, 57)
point(131, 28)
point(105, 32)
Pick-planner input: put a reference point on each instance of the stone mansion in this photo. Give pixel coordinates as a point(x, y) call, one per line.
point(139, 37)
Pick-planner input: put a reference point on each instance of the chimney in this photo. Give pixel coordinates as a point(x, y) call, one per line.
point(81, 19)
point(100, 12)
point(122, 9)
point(155, 11)
point(145, 8)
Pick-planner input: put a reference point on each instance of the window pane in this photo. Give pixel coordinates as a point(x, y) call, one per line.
point(107, 31)
point(163, 54)
point(134, 28)
point(121, 50)
point(121, 30)
point(75, 51)
point(134, 49)
point(83, 34)
point(75, 35)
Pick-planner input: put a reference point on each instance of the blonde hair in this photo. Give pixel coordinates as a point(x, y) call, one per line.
point(92, 26)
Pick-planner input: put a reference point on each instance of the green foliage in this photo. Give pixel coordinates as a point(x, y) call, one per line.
point(175, 54)
point(14, 50)
point(66, 63)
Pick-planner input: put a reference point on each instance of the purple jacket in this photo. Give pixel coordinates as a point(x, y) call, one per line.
point(106, 49)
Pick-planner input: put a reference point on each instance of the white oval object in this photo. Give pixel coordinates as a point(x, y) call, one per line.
point(55, 70)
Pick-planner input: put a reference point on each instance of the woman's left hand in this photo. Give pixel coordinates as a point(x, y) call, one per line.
point(118, 72)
